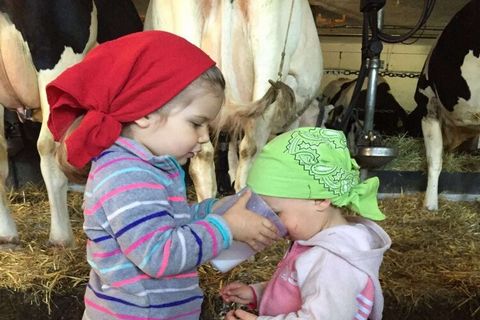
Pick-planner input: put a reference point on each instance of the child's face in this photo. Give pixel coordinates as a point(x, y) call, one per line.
point(300, 216)
point(184, 128)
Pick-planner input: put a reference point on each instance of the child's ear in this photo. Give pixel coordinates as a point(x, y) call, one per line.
point(321, 205)
point(143, 122)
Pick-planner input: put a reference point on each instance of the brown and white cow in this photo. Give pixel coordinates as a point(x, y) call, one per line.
point(38, 40)
point(448, 93)
point(247, 39)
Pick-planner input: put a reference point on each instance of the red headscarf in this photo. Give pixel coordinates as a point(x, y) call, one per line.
point(119, 81)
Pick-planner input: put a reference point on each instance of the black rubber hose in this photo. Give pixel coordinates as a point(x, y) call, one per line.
point(427, 11)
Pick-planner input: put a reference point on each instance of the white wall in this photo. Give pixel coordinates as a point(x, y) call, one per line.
point(344, 53)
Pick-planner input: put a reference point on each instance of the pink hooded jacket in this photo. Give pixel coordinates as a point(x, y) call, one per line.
point(332, 272)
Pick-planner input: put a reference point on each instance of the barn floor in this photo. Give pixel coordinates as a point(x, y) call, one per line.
point(431, 272)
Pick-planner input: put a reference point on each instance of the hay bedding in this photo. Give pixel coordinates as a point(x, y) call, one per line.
point(411, 157)
point(431, 272)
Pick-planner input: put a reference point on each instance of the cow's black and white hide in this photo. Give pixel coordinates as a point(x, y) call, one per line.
point(389, 117)
point(448, 93)
point(38, 40)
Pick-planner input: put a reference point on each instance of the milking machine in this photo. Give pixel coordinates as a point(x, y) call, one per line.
point(366, 144)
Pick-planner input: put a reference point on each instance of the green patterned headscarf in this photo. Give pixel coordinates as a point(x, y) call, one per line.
point(314, 163)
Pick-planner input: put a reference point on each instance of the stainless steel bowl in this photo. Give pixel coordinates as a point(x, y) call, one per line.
point(374, 157)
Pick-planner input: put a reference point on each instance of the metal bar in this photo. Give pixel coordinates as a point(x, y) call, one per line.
point(373, 66)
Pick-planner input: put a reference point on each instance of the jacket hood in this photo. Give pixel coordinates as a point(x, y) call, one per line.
point(361, 243)
point(366, 255)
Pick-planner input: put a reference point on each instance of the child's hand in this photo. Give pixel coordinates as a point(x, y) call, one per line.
point(240, 314)
point(237, 292)
point(249, 227)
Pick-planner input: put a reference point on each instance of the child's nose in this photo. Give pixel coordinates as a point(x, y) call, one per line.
point(203, 136)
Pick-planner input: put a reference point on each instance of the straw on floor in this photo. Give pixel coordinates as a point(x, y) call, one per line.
point(434, 259)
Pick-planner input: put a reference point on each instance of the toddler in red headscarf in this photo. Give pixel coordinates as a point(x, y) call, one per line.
point(130, 114)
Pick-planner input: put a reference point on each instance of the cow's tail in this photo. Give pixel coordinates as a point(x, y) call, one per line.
point(235, 116)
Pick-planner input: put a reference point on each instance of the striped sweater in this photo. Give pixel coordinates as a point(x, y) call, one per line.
point(144, 240)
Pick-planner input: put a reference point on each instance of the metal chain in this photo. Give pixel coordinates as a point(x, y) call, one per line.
point(389, 74)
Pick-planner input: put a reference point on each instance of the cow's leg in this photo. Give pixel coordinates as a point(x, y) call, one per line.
point(202, 172)
point(232, 159)
point(432, 136)
point(55, 181)
point(246, 150)
point(8, 229)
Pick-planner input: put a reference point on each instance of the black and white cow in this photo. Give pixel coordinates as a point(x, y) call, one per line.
point(389, 117)
point(38, 40)
point(448, 93)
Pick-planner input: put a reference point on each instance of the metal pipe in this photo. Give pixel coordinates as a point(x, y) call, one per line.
point(373, 66)
point(380, 19)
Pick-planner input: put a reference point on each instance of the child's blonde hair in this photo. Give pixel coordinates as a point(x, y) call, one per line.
point(212, 76)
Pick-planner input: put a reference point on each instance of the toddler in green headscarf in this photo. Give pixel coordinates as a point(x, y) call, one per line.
point(331, 270)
